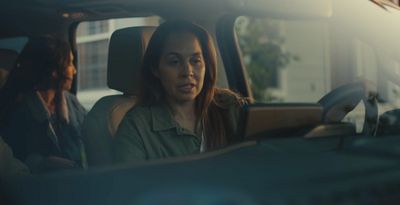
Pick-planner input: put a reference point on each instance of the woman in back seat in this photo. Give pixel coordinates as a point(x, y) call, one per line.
point(180, 111)
point(40, 119)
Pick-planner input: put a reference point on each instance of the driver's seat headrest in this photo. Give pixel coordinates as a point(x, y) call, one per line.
point(125, 54)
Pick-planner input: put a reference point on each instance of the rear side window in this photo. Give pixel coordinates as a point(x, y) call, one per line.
point(16, 44)
point(92, 42)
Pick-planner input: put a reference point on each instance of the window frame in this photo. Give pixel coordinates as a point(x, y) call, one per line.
point(231, 57)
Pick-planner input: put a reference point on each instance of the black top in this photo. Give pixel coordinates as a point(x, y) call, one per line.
point(34, 135)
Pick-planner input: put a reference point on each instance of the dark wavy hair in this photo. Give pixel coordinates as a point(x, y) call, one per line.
point(207, 106)
point(40, 66)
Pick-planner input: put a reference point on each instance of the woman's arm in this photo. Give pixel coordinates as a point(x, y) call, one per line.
point(231, 107)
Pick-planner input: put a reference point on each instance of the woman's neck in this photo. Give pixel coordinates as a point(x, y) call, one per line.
point(184, 114)
point(48, 98)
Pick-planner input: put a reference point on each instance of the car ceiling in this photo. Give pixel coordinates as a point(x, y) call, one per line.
point(27, 17)
point(19, 17)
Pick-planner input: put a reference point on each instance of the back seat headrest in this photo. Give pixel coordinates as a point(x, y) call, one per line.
point(125, 54)
point(7, 58)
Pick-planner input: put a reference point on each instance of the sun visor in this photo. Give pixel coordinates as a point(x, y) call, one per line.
point(283, 9)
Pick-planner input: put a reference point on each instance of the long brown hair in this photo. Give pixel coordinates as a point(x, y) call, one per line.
point(34, 70)
point(207, 109)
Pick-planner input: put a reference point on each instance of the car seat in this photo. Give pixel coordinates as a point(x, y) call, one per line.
point(126, 50)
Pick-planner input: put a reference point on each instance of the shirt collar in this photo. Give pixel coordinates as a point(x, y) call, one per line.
point(37, 107)
point(162, 118)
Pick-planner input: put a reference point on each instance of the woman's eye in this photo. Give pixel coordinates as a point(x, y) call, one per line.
point(197, 61)
point(173, 62)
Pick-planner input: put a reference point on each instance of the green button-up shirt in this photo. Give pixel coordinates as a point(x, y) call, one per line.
point(150, 132)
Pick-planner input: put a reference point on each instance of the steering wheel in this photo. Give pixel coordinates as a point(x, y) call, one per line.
point(340, 101)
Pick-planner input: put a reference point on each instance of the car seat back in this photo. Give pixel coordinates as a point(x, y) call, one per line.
point(126, 50)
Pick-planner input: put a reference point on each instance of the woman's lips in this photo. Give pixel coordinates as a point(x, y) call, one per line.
point(186, 87)
point(69, 78)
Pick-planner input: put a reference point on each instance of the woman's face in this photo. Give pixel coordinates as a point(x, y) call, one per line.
point(69, 73)
point(181, 69)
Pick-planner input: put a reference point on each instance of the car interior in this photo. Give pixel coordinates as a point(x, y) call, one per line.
point(322, 79)
point(8, 58)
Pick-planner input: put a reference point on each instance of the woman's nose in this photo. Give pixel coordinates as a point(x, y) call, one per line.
point(74, 71)
point(188, 69)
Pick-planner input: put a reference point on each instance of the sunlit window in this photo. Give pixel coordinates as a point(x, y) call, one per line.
point(92, 40)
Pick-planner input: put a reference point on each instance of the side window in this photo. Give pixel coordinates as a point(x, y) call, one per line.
point(364, 63)
point(383, 74)
point(389, 83)
point(92, 41)
point(15, 44)
point(286, 61)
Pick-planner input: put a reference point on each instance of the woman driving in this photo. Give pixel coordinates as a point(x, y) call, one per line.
point(180, 110)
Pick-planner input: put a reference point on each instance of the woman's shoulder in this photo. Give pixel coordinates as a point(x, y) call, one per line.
point(74, 104)
point(226, 98)
point(139, 112)
point(71, 98)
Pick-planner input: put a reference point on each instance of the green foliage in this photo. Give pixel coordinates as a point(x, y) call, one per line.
point(261, 46)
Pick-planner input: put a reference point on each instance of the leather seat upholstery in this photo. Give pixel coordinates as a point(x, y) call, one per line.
point(126, 50)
